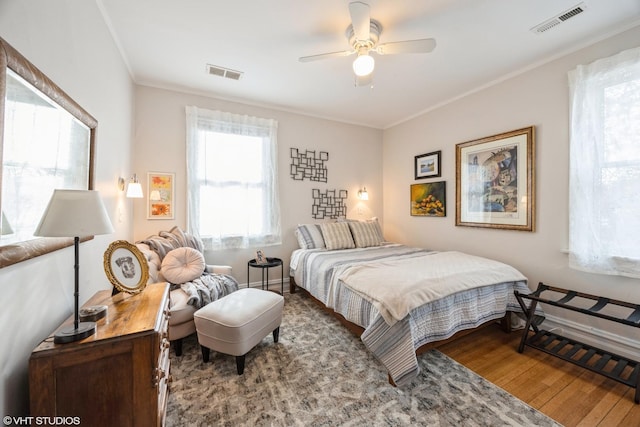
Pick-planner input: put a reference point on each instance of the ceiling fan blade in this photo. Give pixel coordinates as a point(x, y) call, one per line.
point(364, 80)
point(408, 46)
point(326, 56)
point(360, 20)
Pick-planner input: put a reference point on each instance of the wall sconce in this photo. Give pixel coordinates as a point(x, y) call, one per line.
point(362, 194)
point(134, 189)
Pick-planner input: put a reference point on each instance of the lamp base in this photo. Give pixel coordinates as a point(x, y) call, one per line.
point(71, 334)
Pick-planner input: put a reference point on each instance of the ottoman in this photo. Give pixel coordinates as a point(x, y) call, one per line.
point(236, 323)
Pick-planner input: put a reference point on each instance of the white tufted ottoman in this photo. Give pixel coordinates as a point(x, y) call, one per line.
point(234, 324)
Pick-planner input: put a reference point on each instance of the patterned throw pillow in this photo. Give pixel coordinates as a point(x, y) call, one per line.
point(365, 233)
point(310, 236)
point(337, 235)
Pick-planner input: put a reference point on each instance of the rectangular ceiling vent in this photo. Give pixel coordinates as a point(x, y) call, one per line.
point(559, 19)
point(215, 70)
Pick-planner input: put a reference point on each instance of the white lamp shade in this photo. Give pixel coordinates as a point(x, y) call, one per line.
point(363, 65)
point(74, 213)
point(134, 190)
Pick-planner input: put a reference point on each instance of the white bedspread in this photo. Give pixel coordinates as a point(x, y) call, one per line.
point(395, 287)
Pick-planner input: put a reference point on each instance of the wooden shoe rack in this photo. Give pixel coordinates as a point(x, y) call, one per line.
point(611, 365)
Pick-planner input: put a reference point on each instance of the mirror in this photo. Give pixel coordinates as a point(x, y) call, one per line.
point(47, 141)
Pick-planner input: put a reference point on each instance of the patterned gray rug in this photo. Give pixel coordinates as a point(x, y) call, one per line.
point(320, 374)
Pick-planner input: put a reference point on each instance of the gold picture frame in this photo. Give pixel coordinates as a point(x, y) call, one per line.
point(495, 181)
point(126, 267)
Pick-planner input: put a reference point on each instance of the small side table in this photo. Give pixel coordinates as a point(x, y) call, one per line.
point(271, 262)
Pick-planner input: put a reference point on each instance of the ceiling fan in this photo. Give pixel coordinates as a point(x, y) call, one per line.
point(363, 35)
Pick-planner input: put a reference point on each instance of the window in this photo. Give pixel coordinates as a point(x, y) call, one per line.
point(232, 189)
point(604, 205)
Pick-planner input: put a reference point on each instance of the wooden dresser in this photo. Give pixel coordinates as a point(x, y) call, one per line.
point(116, 377)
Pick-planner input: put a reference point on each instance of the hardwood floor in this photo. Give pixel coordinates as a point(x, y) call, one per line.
point(571, 395)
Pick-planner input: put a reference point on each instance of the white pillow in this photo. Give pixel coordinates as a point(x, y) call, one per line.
point(337, 235)
point(182, 265)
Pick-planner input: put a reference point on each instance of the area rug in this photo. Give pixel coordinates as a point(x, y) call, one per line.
point(320, 374)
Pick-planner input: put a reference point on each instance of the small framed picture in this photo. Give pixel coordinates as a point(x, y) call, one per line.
point(427, 165)
point(126, 267)
point(260, 258)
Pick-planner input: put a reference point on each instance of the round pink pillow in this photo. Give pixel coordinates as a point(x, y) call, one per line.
point(182, 265)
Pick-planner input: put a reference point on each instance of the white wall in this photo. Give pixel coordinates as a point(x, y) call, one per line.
point(69, 42)
point(355, 160)
point(538, 97)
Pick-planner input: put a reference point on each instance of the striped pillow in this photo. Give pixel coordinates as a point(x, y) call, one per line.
point(366, 233)
point(337, 235)
point(310, 236)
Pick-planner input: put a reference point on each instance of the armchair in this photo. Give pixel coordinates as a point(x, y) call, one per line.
point(154, 249)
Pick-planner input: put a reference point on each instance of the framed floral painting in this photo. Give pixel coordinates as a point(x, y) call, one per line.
point(160, 193)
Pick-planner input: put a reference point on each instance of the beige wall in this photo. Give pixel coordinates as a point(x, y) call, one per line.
point(70, 43)
point(355, 160)
point(535, 98)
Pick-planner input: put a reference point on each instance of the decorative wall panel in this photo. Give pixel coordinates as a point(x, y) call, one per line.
point(309, 165)
point(328, 204)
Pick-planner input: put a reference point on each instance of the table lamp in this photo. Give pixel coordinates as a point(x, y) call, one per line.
point(74, 213)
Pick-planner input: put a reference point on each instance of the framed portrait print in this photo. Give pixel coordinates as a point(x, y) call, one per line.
point(495, 179)
point(427, 165)
point(429, 199)
point(160, 193)
point(126, 267)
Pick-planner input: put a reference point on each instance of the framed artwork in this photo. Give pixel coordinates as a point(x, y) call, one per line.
point(126, 267)
point(160, 193)
point(427, 165)
point(495, 179)
point(260, 258)
point(429, 199)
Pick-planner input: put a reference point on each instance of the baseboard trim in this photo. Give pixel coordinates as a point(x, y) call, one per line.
point(614, 343)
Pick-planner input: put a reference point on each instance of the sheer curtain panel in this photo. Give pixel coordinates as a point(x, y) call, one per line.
point(604, 205)
point(232, 179)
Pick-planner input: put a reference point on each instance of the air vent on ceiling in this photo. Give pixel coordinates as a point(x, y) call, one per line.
point(215, 70)
point(559, 19)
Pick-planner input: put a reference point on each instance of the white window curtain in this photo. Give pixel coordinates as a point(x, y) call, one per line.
point(232, 179)
point(604, 205)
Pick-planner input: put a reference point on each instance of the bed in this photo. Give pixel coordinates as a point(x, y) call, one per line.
point(401, 298)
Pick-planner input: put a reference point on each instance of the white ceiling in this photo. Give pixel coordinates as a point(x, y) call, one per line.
point(168, 43)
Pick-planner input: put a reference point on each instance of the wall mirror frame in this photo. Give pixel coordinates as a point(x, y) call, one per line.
point(10, 58)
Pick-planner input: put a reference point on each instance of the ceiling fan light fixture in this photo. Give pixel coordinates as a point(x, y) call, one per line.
point(363, 65)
